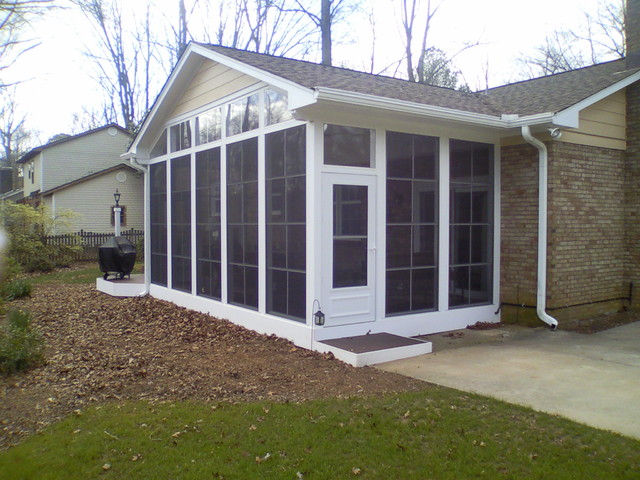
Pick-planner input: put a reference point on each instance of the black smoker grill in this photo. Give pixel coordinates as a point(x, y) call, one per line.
point(117, 256)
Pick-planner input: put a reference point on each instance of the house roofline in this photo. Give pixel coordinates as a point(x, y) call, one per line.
point(34, 151)
point(570, 116)
point(89, 177)
point(443, 113)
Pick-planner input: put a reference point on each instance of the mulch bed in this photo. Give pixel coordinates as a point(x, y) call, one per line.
point(100, 348)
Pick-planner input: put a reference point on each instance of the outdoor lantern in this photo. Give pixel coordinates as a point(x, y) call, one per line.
point(318, 317)
point(116, 197)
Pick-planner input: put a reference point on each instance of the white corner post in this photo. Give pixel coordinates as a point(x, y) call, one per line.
point(543, 160)
point(116, 218)
point(116, 212)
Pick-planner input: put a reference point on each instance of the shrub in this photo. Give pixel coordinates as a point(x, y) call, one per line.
point(39, 264)
point(29, 228)
point(17, 289)
point(21, 345)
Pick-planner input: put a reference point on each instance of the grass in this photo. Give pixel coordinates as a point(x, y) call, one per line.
point(80, 273)
point(438, 433)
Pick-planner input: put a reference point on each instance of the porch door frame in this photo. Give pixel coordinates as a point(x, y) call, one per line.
point(348, 305)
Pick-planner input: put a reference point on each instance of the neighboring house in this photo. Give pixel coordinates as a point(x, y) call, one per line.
point(6, 179)
point(81, 173)
point(278, 187)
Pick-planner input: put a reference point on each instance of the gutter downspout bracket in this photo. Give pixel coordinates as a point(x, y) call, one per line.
point(543, 160)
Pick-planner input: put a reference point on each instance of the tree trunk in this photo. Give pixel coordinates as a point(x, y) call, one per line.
point(325, 30)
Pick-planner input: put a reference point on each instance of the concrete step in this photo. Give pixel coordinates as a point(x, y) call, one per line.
point(373, 348)
point(125, 287)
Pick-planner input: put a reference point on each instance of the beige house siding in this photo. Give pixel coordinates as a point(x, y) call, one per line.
point(34, 166)
point(82, 156)
point(212, 82)
point(93, 199)
point(603, 124)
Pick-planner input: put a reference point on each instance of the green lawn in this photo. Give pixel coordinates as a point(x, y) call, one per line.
point(438, 433)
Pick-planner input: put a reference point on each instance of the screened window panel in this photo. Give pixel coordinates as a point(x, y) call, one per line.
point(286, 222)
point(208, 228)
point(471, 230)
point(348, 146)
point(242, 223)
point(158, 217)
point(181, 223)
point(412, 223)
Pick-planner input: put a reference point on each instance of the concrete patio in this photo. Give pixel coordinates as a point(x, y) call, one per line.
point(592, 379)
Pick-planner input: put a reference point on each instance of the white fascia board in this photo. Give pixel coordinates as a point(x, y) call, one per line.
point(403, 106)
point(569, 117)
point(441, 113)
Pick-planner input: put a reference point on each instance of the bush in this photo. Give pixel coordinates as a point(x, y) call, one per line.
point(21, 346)
point(17, 289)
point(29, 228)
point(39, 264)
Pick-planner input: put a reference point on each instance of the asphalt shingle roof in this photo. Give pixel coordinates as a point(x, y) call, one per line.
point(312, 75)
point(541, 95)
point(555, 93)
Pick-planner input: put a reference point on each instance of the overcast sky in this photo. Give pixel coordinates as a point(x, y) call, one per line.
point(57, 78)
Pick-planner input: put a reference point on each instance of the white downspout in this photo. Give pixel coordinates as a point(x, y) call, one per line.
point(542, 227)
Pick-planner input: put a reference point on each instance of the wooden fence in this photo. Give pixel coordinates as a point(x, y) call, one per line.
point(90, 241)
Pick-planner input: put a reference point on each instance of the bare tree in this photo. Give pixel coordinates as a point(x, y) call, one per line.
point(265, 26)
point(123, 59)
point(411, 9)
point(14, 135)
point(14, 16)
point(331, 12)
point(600, 37)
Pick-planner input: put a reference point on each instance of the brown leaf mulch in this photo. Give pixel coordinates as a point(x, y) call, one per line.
point(100, 348)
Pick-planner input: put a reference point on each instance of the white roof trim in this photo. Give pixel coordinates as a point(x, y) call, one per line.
point(569, 117)
point(403, 106)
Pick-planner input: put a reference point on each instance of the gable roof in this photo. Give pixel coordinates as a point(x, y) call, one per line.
point(35, 151)
point(553, 100)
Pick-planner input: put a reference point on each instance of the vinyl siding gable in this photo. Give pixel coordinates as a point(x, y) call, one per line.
point(210, 83)
point(82, 156)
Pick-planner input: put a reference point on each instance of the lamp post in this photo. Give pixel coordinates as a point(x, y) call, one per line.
point(116, 212)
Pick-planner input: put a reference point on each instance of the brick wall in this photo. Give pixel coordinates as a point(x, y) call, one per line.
point(587, 245)
point(587, 242)
point(632, 190)
point(519, 225)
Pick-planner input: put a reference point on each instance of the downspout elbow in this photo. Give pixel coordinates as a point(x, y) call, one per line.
point(541, 304)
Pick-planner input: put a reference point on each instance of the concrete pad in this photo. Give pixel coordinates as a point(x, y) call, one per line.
point(592, 379)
